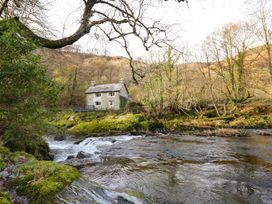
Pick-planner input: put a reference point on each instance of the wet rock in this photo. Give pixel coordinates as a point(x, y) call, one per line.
point(79, 163)
point(11, 168)
point(122, 200)
point(170, 154)
point(113, 140)
point(109, 160)
point(70, 157)
point(51, 156)
point(60, 137)
point(78, 142)
point(264, 132)
point(83, 155)
point(4, 174)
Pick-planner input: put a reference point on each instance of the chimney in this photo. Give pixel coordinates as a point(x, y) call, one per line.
point(122, 81)
point(93, 83)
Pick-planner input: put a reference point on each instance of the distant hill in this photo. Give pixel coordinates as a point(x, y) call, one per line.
point(102, 69)
point(75, 71)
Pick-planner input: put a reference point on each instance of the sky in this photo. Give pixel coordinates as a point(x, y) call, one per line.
point(192, 23)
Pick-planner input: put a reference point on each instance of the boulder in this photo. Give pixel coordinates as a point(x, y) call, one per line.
point(60, 137)
point(122, 200)
point(83, 155)
point(70, 157)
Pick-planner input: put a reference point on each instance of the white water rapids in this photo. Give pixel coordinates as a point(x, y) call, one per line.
point(63, 149)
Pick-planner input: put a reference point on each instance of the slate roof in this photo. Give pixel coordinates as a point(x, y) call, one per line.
point(100, 88)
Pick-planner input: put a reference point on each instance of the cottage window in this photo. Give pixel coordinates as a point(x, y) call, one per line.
point(112, 94)
point(98, 94)
point(98, 103)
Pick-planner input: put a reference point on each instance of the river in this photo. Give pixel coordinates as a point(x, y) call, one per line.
point(169, 169)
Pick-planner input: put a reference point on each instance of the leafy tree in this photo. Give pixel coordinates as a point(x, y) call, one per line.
point(26, 92)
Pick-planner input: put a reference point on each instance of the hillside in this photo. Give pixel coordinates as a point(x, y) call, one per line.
point(75, 71)
point(90, 67)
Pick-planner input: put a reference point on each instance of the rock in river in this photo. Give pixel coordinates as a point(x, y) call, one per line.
point(83, 155)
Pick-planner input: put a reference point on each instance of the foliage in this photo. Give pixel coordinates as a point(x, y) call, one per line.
point(27, 93)
point(123, 102)
point(41, 180)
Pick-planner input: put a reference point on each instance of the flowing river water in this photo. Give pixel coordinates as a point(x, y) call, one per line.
point(169, 169)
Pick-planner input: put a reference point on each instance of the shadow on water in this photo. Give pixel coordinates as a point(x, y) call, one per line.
point(176, 169)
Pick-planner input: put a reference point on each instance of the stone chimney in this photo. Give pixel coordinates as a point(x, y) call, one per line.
point(122, 81)
point(93, 83)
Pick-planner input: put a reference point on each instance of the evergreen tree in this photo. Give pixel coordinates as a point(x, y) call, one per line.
point(27, 93)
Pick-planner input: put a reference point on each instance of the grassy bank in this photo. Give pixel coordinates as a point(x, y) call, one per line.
point(103, 123)
point(38, 180)
point(109, 123)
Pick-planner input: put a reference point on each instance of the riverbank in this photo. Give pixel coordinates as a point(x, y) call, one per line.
point(113, 123)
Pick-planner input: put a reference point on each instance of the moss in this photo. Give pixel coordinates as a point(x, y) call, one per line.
point(135, 194)
point(152, 125)
point(35, 145)
point(108, 125)
point(38, 180)
point(10, 158)
point(42, 180)
point(21, 157)
point(4, 198)
point(4, 157)
point(63, 123)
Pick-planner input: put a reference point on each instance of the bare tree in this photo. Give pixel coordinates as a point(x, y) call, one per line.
point(210, 77)
point(228, 47)
point(262, 14)
point(165, 84)
point(115, 20)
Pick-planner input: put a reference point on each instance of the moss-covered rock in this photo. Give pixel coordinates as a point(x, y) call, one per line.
point(13, 158)
point(35, 145)
point(4, 157)
point(108, 125)
point(4, 198)
point(40, 181)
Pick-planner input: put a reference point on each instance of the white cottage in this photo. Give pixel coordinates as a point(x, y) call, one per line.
point(107, 96)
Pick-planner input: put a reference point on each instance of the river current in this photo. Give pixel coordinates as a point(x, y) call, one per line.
point(169, 169)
